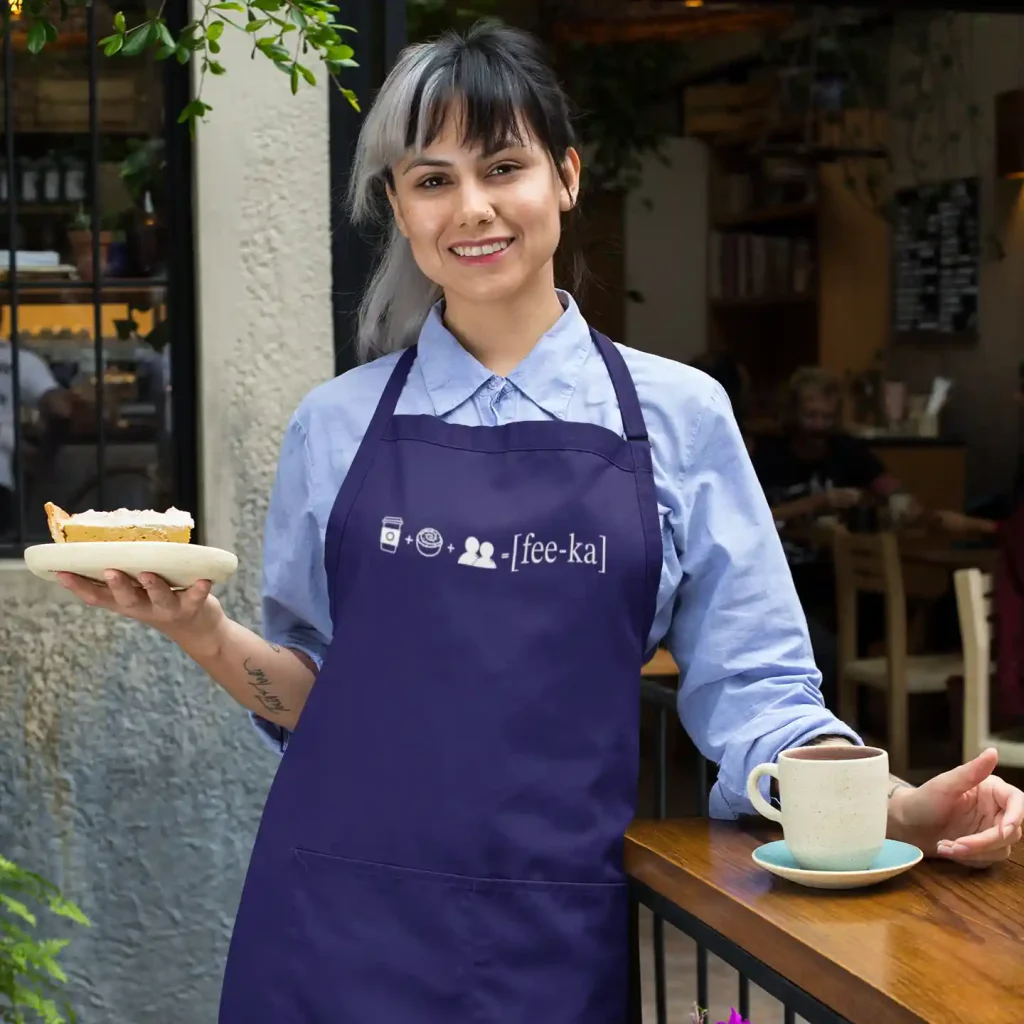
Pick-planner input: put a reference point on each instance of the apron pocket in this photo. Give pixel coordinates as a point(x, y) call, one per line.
point(551, 951)
point(370, 943)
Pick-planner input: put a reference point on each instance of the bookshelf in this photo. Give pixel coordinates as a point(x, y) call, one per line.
point(798, 262)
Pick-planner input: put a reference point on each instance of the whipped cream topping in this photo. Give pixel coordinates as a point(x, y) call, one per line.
point(133, 517)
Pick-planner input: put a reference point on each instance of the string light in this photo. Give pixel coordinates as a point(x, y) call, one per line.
point(14, 7)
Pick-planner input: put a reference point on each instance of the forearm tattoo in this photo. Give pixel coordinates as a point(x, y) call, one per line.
point(262, 688)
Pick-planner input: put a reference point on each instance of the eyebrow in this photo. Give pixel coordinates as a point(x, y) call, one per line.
point(429, 161)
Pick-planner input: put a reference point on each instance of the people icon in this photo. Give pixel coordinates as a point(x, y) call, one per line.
point(480, 556)
point(472, 552)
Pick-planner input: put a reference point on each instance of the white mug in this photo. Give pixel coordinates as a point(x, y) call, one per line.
point(834, 804)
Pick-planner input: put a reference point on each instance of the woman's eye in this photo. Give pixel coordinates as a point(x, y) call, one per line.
point(432, 182)
point(502, 169)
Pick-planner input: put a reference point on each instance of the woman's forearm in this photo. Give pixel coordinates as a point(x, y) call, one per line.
point(273, 681)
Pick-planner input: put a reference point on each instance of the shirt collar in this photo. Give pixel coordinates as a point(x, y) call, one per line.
point(547, 376)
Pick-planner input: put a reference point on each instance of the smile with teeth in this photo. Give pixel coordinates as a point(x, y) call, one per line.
point(481, 250)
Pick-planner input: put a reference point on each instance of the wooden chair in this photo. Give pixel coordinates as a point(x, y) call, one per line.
point(870, 563)
point(974, 606)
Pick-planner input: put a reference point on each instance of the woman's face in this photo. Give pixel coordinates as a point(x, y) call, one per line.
point(483, 226)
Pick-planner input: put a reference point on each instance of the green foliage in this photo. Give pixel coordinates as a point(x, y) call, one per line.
point(293, 34)
point(30, 976)
point(619, 89)
point(426, 19)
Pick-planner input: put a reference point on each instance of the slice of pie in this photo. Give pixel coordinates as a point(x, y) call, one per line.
point(173, 525)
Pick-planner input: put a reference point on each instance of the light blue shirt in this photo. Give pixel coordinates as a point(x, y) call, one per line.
point(727, 609)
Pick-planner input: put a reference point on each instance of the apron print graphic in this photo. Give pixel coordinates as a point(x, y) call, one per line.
point(525, 551)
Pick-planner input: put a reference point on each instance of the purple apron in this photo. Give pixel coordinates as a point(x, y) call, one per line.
point(443, 841)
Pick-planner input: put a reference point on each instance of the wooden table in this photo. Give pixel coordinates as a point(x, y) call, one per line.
point(939, 945)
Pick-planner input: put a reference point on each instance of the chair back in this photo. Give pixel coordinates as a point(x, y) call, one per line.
point(974, 609)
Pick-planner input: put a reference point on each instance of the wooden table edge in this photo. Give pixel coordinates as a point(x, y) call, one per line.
point(847, 994)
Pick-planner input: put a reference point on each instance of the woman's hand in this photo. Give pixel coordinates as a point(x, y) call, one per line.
point(192, 613)
point(967, 815)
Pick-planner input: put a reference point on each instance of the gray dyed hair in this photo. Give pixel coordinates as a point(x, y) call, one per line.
point(500, 79)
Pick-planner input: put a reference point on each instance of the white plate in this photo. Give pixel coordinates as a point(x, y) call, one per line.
point(893, 860)
point(180, 565)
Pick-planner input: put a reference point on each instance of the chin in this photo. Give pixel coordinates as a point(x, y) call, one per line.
point(482, 291)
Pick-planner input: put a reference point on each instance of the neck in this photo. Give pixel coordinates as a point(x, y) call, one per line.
point(501, 335)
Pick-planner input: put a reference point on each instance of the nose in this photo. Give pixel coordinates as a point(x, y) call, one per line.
point(474, 206)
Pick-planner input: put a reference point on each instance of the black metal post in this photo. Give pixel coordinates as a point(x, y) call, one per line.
point(180, 278)
point(13, 187)
point(380, 34)
point(98, 270)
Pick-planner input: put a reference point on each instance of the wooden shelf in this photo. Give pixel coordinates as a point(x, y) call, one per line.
point(772, 215)
point(763, 301)
point(47, 293)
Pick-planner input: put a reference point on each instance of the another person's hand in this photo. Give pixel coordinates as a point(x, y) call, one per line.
point(957, 522)
point(175, 613)
point(967, 815)
point(842, 497)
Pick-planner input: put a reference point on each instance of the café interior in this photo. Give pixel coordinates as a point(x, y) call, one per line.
point(821, 207)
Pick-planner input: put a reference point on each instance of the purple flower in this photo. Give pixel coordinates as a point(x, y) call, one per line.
point(734, 1018)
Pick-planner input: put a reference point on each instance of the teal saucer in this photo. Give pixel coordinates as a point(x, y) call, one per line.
point(893, 859)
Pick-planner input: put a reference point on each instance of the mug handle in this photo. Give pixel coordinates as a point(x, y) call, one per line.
point(754, 794)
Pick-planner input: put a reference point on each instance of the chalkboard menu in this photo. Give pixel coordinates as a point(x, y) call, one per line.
point(935, 259)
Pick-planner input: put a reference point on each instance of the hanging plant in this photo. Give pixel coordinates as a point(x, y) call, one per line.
point(618, 89)
point(293, 34)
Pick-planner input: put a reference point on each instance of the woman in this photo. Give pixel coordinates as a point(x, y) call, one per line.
point(473, 541)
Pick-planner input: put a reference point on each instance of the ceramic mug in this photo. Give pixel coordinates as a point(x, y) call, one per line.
point(834, 804)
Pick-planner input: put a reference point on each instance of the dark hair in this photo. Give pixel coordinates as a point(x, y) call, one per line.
point(502, 85)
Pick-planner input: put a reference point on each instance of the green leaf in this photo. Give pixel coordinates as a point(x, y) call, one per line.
point(266, 5)
point(164, 35)
point(256, 24)
point(340, 53)
point(216, 68)
point(135, 41)
point(193, 110)
point(295, 80)
point(111, 44)
point(36, 37)
point(119, 22)
point(307, 74)
point(213, 47)
point(228, 7)
point(182, 54)
point(51, 32)
point(18, 908)
point(215, 31)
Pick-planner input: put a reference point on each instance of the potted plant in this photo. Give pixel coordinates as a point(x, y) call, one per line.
point(80, 237)
point(30, 976)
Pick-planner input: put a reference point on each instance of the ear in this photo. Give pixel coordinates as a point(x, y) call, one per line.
point(570, 180)
point(396, 209)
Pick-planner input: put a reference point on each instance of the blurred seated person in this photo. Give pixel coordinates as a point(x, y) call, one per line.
point(813, 470)
point(37, 387)
point(735, 381)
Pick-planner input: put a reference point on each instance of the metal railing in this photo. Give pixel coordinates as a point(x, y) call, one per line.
point(708, 941)
point(54, 160)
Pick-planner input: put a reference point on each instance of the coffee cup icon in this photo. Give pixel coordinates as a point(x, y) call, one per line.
point(390, 533)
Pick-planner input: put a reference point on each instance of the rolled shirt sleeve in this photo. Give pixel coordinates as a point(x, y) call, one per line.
point(749, 686)
point(295, 599)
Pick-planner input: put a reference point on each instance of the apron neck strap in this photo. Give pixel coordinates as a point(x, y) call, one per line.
point(625, 390)
point(392, 392)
